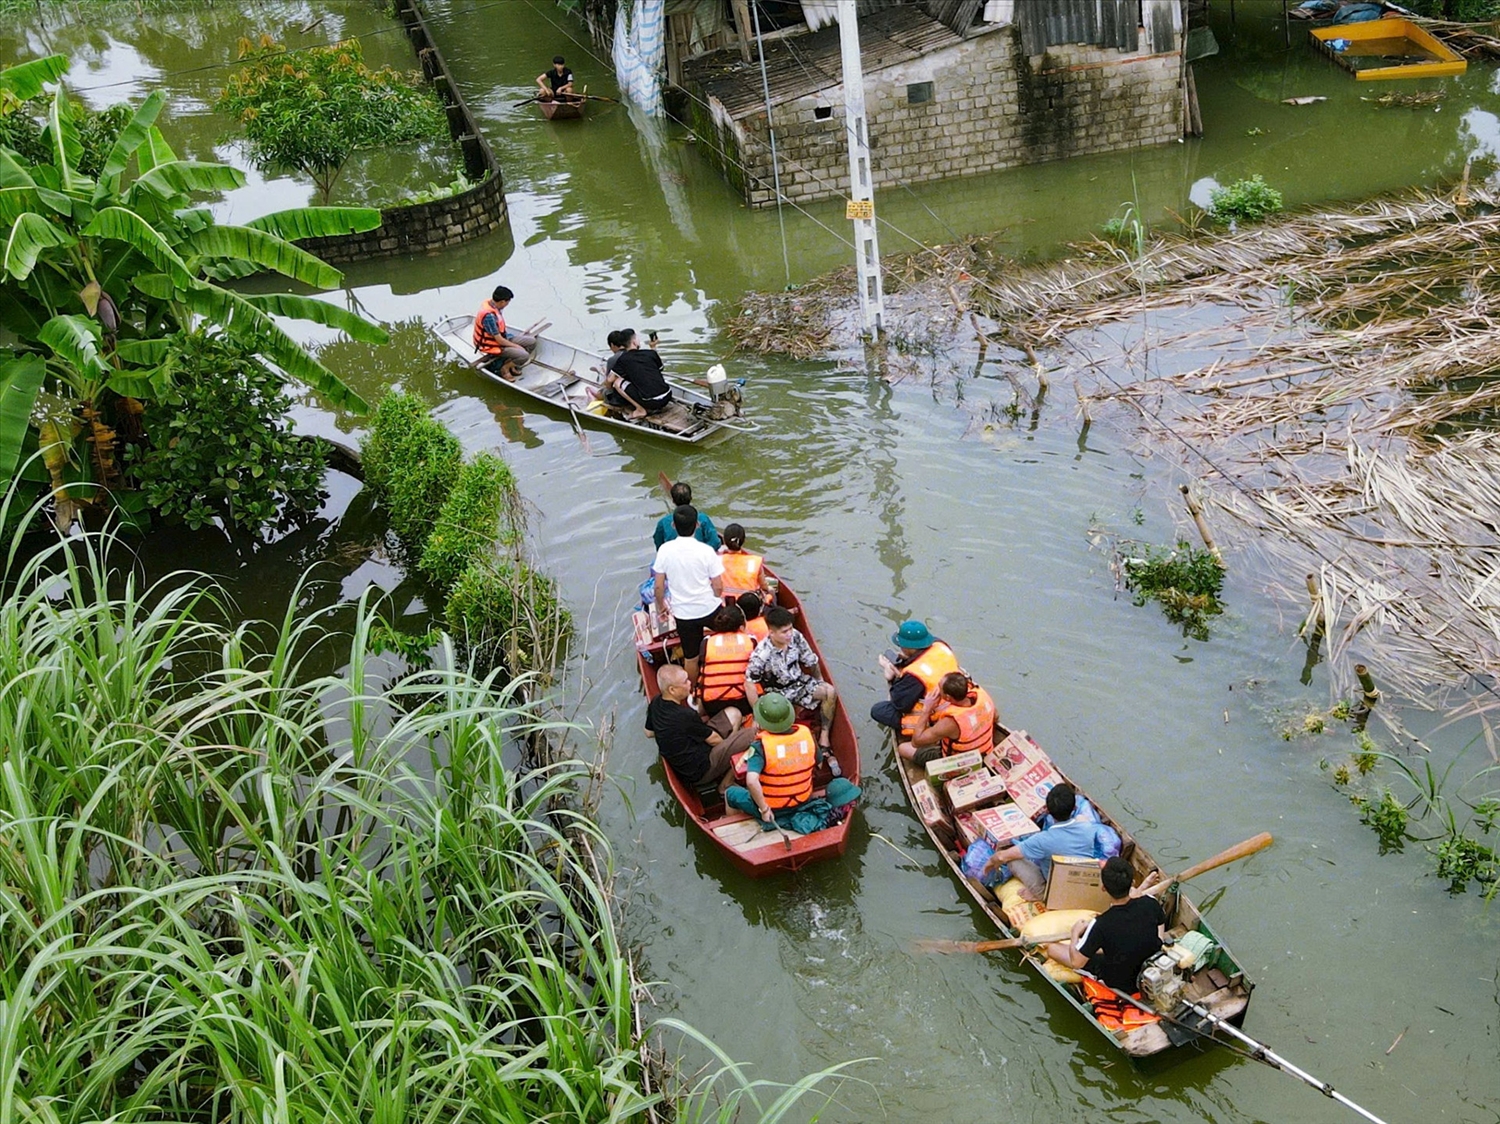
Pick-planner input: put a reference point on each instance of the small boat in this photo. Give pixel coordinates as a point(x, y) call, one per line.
point(563, 108)
point(562, 376)
point(1227, 1000)
point(755, 852)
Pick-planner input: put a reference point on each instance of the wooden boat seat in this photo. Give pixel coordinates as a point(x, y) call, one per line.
point(676, 418)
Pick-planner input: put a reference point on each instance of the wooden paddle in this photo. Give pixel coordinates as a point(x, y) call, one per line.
point(1251, 846)
point(666, 484)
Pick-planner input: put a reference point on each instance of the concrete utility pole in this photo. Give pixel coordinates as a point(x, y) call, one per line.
point(861, 205)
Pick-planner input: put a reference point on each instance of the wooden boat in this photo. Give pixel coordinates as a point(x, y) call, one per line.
point(563, 109)
point(1228, 1002)
point(756, 852)
point(562, 376)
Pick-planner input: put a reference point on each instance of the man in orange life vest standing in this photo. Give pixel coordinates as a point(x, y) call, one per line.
point(956, 718)
point(505, 349)
point(913, 674)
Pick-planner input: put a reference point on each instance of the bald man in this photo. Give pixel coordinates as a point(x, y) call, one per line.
point(699, 752)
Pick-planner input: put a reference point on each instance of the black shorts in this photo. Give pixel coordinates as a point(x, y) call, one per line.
point(691, 634)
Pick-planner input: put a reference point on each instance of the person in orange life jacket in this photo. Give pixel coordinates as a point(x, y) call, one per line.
point(744, 572)
point(555, 82)
point(784, 662)
point(923, 661)
point(726, 652)
point(1114, 945)
point(696, 577)
point(751, 604)
point(956, 718)
point(698, 751)
point(506, 350)
point(780, 767)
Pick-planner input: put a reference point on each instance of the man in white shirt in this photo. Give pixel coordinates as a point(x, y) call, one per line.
point(695, 574)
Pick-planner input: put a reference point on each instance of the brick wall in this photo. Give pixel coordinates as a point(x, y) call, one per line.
point(992, 107)
point(428, 227)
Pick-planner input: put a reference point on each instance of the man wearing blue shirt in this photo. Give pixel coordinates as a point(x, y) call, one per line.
point(1030, 857)
point(682, 496)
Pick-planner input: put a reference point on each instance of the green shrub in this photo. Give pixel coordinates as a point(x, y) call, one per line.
point(218, 443)
point(1244, 201)
point(472, 521)
point(507, 615)
point(1186, 581)
point(411, 463)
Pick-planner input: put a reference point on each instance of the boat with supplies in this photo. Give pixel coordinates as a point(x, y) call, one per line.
point(1008, 784)
point(562, 376)
point(754, 851)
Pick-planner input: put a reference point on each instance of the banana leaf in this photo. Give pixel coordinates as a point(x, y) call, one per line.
point(265, 250)
point(26, 80)
point(20, 379)
point(62, 134)
point(319, 312)
point(177, 178)
point(75, 340)
point(317, 222)
point(30, 236)
point(126, 226)
point(131, 137)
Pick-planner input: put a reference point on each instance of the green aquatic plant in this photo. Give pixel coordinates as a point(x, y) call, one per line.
point(1248, 200)
point(1184, 580)
point(1388, 817)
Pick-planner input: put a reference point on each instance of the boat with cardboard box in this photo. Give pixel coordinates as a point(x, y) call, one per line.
point(998, 797)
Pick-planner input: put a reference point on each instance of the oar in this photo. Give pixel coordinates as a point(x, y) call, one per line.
point(666, 484)
point(1251, 846)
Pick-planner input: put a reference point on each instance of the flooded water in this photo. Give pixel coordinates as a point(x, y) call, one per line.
point(879, 502)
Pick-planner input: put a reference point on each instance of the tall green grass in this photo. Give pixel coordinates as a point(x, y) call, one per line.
point(231, 889)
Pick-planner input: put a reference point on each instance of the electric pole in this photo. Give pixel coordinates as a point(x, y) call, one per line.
point(861, 205)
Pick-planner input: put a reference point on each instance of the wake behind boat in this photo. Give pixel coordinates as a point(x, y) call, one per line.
point(563, 376)
point(1017, 767)
point(754, 851)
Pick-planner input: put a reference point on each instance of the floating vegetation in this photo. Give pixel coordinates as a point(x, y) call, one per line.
point(1184, 580)
point(1244, 200)
point(1409, 101)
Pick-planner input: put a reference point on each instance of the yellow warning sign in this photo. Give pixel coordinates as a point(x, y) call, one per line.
point(859, 209)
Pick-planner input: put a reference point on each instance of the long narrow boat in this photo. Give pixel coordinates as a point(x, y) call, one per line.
point(562, 376)
point(754, 851)
point(1227, 1001)
point(563, 108)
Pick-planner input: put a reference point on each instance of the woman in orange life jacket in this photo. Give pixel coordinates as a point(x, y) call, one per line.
point(751, 605)
point(726, 653)
point(505, 349)
point(957, 717)
point(743, 572)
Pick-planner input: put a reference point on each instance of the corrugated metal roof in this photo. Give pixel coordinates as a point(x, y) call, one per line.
point(1101, 23)
point(804, 64)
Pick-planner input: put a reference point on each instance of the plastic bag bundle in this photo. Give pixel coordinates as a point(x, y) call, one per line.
point(980, 852)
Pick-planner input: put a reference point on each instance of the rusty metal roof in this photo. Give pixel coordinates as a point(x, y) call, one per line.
point(804, 64)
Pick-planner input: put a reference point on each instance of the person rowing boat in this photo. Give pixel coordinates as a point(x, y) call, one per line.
point(556, 82)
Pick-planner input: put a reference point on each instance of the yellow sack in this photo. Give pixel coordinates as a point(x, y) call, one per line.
point(1008, 891)
point(1054, 925)
point(1060, 972)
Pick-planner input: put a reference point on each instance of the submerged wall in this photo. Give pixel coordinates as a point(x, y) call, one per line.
point(991, 107)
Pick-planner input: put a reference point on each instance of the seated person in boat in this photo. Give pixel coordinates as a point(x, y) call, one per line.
point(505, 349)
point(752, 606)
point(1114, 945)
point(556, 82)
point(784, 662)
point(700, 752)
point(778, 786)
point(636, 381)
point(957, 717)
point(696, 576)
point(1030, 857)
point(922, 660)
point(726, 654)
point(743, 572)
point(682, 496)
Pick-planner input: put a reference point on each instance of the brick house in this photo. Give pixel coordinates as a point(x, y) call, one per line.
point(952, 88)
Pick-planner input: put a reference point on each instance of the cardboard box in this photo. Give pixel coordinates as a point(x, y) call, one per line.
point(928, 807)
point(1074, 884)
point(968, 830)
point(1027, 770)
point(1003, 824)
point(973, 790)
point(941, 769)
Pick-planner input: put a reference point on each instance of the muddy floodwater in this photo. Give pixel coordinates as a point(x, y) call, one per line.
point(878, 502)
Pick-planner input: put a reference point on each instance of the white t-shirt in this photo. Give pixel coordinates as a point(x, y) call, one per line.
point(690, 567)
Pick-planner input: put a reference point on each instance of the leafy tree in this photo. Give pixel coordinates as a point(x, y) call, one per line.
point(99, 273)
point(309, 111)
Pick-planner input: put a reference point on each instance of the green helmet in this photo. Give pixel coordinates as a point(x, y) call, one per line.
point(774, 713)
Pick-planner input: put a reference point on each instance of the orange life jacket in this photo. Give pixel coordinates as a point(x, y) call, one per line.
point(758, 628)
point(930, 667)
point(976, 722)
point(741, 572)
point(787, 779)
point(484, 342)
point(725, 656)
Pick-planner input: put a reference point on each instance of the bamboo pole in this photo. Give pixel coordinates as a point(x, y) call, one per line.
point(1370, 698)
point(1313, 625)
point(1197, 513)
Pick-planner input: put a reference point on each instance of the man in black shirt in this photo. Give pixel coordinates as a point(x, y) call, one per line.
point(697, 751)
point(635, 380)
point(1114, 945)
point(556, 82)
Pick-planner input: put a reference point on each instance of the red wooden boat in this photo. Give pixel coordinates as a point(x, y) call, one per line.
point(755, 852)
point(563, 108)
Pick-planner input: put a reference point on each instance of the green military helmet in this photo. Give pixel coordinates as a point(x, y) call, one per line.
point(774, 713)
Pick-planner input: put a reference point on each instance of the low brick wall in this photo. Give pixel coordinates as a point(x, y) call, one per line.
point(428, 227)
point(992, 107)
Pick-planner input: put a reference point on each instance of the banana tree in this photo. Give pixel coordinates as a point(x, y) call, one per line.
point(97, 274)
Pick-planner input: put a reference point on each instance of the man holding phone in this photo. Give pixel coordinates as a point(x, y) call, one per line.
point(912, 672)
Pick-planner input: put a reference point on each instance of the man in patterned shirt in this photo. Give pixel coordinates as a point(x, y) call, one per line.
point(785, 662)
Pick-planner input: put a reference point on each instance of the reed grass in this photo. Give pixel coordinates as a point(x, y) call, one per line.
point(234, 889)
